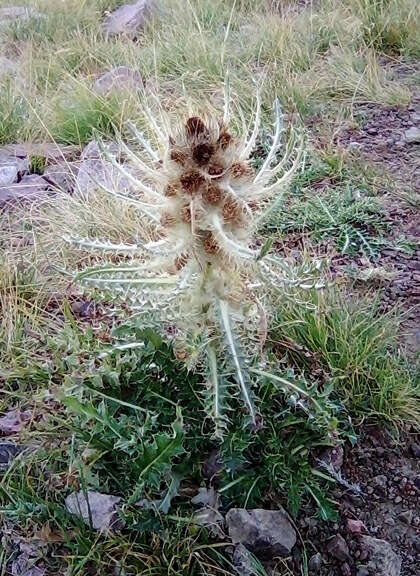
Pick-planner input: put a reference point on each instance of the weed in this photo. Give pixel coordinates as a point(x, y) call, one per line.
point(199, 202)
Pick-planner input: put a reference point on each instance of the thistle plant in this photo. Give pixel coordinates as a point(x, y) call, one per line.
point(204, 279)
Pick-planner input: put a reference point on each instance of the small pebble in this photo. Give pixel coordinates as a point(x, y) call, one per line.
point(406, 516)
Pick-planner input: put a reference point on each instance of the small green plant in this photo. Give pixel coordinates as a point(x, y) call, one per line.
point(353, 221)
point(204, 279)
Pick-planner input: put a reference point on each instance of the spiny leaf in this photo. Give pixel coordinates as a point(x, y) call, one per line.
point(156, 457)
point(326, 509)
point(236, 358)
point(217, 392)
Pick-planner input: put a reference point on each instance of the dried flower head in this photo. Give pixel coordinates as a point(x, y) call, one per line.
point(207, 203)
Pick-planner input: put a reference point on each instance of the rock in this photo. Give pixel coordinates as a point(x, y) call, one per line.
point(84, 308)
point(345, 570)
point(406, 516)
point(129, 18)
point(265, 532)
point(338, 549)
point(47, 150)
point(380, 480)
point(102, 509)
point(315, 564)
point(354, 145)
point(14, 420)
point(355, 526)
point(8, 174)
point(412, 135)
point(25, 566)
point(8, 451)
point(243, 561)
point(94, 173)
point(118, 79)
point(31, 187)
point(415, 449)
point(62, 175)
point(11, 168)
point(209, 515)
point(382, 559)
point(91, 151)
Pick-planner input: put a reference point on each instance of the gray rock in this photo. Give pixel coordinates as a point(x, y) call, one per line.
point(129, 18)
point(48, 150)
point(118, 79)
point(62, 175)
point(265, 532)
point(25, 566)
point(101, 509)
point(357, 146)
point(95, 173)
point(11, 168)
point(406, 516)
point(380, 480)
point(412, 135)
point(8, 452)
point(13, 421)
point(363, 571)
point(8, 174)
point(30, 187)
point(338, 549)
point(245, 563)
point(382, 559)
point(208, 515)
point(91, 151)
point(315, 564)
point(415, 449)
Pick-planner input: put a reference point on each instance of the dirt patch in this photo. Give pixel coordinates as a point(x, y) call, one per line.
point(379, 498)
point(404, 289)
point(382, 137)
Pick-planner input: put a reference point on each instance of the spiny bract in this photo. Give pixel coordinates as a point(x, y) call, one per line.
point(203, 280)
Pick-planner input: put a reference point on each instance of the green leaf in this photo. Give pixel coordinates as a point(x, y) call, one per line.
point(326, 508)
point(266, 248)
point(156, 458)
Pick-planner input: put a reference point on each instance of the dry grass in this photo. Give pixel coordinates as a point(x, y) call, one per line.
point(308, 57)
